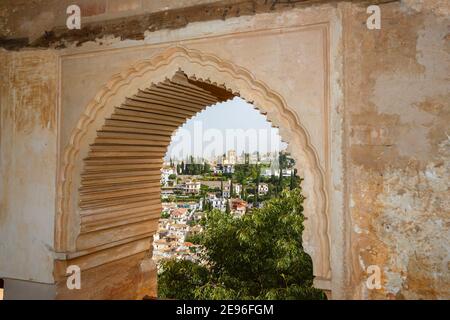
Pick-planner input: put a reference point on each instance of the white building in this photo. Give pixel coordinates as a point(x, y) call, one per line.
point(217, 203)
point(237, 188)
point(192, 186)
point(165, 174)
point(276, 173)
point(166, 193)
point(226, 189)
point(231, 158)
point(229, 168)
point(263, 188)
point(217, 169)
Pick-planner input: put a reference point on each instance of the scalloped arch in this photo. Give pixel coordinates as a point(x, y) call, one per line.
point(239, 79)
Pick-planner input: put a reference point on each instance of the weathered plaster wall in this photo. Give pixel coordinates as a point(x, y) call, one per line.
point(30, 19)
point(398, 167)
point(42, 23)
point(28, 157)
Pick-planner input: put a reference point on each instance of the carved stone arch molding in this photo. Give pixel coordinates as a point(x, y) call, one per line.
point(154, 70)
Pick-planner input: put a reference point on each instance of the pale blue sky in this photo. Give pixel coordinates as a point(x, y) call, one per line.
point(234, 124)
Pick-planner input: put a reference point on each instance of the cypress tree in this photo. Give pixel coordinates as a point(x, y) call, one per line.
point(231, 189)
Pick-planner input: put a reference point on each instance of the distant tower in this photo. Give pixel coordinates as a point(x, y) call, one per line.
point(231, 157)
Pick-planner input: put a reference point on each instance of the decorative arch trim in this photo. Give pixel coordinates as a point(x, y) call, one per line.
point(236, 78)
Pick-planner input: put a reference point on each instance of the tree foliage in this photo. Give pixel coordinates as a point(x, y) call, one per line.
point(258, 256)
point(180, 278)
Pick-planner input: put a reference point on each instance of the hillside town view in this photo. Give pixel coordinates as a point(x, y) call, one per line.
point(232, 212)
point(231, 183)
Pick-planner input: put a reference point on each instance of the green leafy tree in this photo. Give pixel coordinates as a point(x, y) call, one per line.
point(293, 182)
point(165, 215)
point(206, 168)
point(180, 278)
point(182, 168)
point(283, 164)
point(241, 174)
point(204, 190)
point(258, 256)
point(207, 206)
point(257, 182)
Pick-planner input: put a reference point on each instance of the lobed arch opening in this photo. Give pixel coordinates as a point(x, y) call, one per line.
point(120, 182)
point(109, 191)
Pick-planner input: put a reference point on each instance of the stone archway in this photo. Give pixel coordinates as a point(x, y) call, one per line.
point(118, 238)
